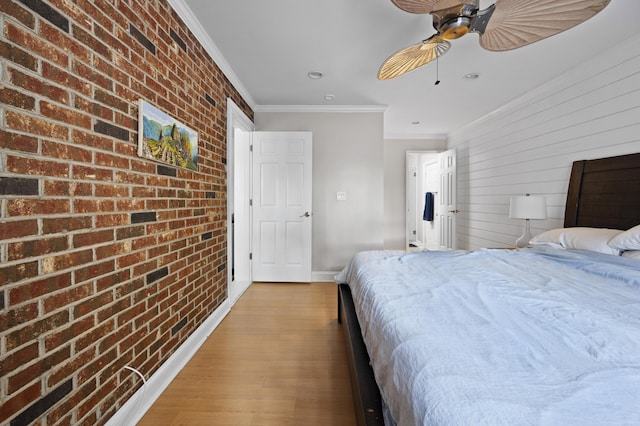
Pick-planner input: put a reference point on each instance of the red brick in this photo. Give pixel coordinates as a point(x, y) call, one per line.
point(91, 173)
point(16, 142)
point(92, 238)
point(125, 120)
point(17, 99)
point(92, 304)
point(33, 166)
point(93, 270)
point(35, 126)
point(34, 44)
point(66, 188)
point(65, 115)
point(67, 334)
point(130, 205)
point(93, 206)
point(65, 370)
point(18, 229)
point(17, 11)
point(108, 160)
point(16, 273)
point(98, 77)
point(19, 401)
point(113, 280)
point(66, 297)
point(65, 151)
point(75, 13)
point(32, 207)
point(65, 224)
point(93, 43)
point(62, 40)
point(127, 149)
point(89, 370)
point(98, 14)
point(111, 191)
point(110, 220)
point(16, 317)
point(143, 192)
point(64, 261)
point(34, 330)
point(130, 259)
point(87, 410)
point(95, 141)
point(143, 166)
point(30, 248)
point(36, 289)
point(17, 359)
point(111, 100)
point(97, 334)
point(34, 371)
point(94, 108)
point(120, 43)
point(63, 78)
point(38, 86)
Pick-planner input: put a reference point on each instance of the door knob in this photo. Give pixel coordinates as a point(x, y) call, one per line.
point(306, 214)
point(454, 211)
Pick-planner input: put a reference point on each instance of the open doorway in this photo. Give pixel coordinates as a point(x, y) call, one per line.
point(239, 128)
point(422, 192)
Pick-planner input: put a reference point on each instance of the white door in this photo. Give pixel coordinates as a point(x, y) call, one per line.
point(447, 199)
point(282, 206)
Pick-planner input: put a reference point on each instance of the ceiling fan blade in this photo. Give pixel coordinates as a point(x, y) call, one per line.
point(425, 6)
point(413, 57)
point(516, 23)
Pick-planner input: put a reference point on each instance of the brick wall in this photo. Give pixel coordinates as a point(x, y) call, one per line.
point(107, 259)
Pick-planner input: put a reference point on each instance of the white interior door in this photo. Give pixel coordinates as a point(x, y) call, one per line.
point(447, 200)
point(282, 216)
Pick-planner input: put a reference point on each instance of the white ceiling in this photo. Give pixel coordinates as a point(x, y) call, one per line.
point(269, 46)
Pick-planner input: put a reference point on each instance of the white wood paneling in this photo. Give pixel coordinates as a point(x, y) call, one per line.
point(528, 146)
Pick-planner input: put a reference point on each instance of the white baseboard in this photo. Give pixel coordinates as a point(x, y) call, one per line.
point(135, 408)
point(323, 276)
point(237, 289)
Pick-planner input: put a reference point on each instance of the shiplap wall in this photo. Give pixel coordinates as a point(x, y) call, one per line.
point(528, 146)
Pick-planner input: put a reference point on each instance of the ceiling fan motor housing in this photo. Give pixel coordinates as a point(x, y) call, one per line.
point(454, 22)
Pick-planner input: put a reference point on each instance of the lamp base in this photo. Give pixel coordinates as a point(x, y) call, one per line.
point(524, 239)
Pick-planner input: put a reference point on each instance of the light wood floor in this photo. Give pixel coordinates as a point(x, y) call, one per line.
point(277, 359)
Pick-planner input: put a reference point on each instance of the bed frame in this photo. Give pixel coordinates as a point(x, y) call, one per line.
point(602, 193)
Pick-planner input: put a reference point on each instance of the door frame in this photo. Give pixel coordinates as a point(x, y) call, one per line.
point(238, 234)
point(414, 197)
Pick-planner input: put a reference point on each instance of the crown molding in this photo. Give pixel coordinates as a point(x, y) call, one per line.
point(320, 108)
point(416, 136)
point(191, 21)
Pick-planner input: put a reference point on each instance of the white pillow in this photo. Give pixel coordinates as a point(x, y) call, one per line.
point(632, 254)
point(628, 240)
point(591, 239)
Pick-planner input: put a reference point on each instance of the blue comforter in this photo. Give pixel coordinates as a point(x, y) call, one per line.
point(501, 337)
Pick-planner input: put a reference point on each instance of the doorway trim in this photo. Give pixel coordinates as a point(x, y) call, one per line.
point(237, 120)
point(414, 177)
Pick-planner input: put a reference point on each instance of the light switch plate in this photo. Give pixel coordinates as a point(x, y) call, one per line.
point(341, 196)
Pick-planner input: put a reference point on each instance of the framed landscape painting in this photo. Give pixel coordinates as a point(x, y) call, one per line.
point(165, 139)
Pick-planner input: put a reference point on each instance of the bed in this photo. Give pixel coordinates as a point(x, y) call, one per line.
point(544, 335)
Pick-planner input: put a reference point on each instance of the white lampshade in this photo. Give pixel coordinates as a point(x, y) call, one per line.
point(528, 207)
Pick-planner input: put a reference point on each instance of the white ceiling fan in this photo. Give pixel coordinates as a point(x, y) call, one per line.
point(505, 25)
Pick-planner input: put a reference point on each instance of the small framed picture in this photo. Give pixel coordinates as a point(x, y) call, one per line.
point(163, 138)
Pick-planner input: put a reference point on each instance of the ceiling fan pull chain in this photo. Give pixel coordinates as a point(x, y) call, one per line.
point(437, 70)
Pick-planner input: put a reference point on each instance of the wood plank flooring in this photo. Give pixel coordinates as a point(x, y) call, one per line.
point(278, 358)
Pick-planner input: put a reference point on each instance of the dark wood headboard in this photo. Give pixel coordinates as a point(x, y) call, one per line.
point(604, 193)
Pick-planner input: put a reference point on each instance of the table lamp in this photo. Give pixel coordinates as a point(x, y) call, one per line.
point(527, 207)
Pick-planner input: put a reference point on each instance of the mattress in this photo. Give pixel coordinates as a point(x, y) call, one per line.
point(501, 337)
